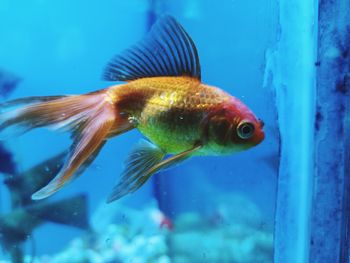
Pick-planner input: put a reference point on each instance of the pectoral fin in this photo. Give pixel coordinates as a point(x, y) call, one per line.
point(144, 161)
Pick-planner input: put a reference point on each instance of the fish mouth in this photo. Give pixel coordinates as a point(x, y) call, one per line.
point(262, 136)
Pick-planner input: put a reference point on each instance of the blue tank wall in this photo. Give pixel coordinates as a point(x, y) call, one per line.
point(62, 47)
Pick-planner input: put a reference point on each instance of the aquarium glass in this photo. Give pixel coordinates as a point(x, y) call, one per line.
point(207, 209)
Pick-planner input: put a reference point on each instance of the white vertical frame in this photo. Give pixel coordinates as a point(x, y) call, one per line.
point(291, 68)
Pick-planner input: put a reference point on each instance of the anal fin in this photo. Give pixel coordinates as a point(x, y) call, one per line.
point(144, 161)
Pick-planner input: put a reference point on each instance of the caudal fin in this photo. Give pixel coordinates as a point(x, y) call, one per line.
point(92, 118)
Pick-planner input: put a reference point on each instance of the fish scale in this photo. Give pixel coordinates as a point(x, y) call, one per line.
point(174, 109)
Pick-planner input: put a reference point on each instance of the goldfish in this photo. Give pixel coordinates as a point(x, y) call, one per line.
point(162, 96)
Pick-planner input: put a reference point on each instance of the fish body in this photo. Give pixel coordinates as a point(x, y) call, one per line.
point(174, 112)
point(163, 97)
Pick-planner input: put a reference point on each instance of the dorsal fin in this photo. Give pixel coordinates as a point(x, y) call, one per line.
point(167, 50)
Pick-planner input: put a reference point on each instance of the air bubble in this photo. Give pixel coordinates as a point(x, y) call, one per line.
point(163, 95)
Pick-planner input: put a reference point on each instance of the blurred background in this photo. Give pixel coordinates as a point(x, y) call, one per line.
point(209, 209)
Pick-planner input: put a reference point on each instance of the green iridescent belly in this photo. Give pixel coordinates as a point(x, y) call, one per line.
point(174, 130)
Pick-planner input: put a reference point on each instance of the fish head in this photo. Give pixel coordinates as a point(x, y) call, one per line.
point(233, 127)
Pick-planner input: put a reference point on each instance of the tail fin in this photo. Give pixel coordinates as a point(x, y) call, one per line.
point(92, 118)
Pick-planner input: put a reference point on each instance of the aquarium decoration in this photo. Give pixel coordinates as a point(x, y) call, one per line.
point(8, 83)
point(18, 225)
point(124, 234)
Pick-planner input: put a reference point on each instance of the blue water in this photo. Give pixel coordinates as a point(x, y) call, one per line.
point(61, 47)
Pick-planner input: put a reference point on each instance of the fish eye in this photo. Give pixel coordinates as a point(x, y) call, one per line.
point(245, 130)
